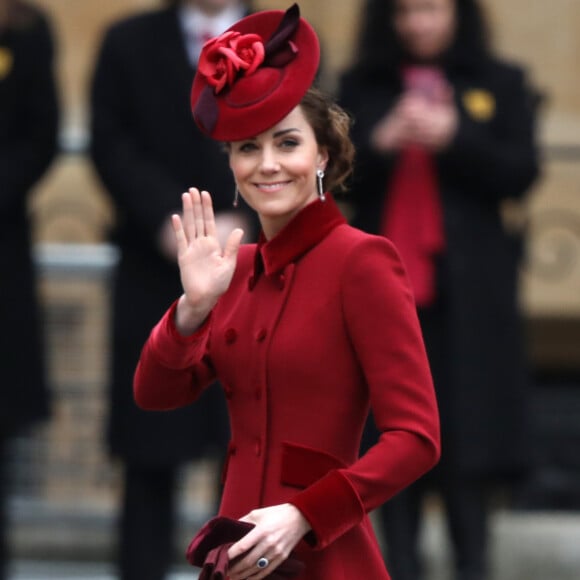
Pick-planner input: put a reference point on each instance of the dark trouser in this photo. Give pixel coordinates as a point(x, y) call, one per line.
point(465, 507)
point(147, 523)
point(464, 500)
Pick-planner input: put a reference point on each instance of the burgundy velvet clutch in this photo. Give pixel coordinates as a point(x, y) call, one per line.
point(209, 550)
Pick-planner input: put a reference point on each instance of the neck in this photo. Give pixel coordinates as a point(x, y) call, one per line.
point(272, 226)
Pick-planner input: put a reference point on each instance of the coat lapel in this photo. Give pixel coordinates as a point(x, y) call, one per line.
point(304, 232)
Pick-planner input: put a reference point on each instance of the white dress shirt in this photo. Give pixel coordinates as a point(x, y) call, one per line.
point(199, 27)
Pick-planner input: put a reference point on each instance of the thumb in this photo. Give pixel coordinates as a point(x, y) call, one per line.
point(447, 94)
point(233, 243)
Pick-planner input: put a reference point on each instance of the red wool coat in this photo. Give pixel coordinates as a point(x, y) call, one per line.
point(318, 324)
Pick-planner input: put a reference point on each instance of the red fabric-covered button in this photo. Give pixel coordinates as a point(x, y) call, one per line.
point(231, 335)
point(261, 334)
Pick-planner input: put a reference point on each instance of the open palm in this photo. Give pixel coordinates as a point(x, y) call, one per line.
point(205, 267)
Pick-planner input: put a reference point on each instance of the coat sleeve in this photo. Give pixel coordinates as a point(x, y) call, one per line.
point(24, 158)
point(499, 161)
point(381, 318)
point(128, 172)
point(173, 369)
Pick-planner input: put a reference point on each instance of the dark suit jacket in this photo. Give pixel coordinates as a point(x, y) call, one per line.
point(148, 151)
point(492, 158)
point(28, 142)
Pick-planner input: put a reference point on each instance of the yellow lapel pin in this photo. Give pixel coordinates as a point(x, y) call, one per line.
point(6, 60)
point(480, 104)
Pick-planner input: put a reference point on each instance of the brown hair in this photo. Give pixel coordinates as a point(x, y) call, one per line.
point(331, 126)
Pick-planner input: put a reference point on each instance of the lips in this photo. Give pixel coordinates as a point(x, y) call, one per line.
point(272, 187)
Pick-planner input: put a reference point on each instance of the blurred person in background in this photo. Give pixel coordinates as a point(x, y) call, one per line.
point(148, 151)
point(445, 133)
point(28, 143)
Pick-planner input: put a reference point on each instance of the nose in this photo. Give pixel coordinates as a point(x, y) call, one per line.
point(269, 161)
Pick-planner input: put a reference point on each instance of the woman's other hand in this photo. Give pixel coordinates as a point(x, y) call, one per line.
point(277, 531)
point(205, 267)
point(433, 124)
point(393, 131)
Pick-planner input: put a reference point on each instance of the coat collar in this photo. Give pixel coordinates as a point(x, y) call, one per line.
point(305, 231)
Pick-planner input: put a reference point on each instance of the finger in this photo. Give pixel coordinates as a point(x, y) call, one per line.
point(248, 567)
point(447, 94)
point(243, 545)
point(233, 244)
point(180, 236)
point(260, 573)
point(248, 550)
point(197, 212)
point(208, 215)
point(188, 221)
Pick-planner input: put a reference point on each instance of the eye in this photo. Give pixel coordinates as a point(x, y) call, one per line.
point(247, 147)
point(289, 143)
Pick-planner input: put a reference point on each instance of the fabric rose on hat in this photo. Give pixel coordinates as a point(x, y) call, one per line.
point(224, 57)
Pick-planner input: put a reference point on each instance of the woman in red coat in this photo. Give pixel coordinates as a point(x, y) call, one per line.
point(306, 331)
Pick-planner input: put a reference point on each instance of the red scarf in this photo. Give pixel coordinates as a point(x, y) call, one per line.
point(413, 220)
point(413, 217)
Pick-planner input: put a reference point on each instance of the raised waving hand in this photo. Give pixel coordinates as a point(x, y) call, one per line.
point(205, 267)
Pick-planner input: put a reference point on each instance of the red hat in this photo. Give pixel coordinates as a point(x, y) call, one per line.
point(250, 77)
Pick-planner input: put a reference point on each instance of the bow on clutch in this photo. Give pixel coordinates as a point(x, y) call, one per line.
point(209, 550)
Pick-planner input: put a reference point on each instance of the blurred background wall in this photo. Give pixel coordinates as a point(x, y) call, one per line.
point(71, 215)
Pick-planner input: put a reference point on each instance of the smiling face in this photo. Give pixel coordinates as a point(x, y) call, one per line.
point(425, 27)
point(276, 171)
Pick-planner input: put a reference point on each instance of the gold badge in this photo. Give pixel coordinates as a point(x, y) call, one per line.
point(6, 60)
point(480, 104)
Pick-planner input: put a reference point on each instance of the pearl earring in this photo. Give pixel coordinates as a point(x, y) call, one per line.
point(320, 184)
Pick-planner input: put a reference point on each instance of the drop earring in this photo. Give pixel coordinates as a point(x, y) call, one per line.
point(236, 197)
point(320, 184)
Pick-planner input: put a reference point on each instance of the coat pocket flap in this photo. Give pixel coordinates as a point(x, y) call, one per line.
point(302, 465)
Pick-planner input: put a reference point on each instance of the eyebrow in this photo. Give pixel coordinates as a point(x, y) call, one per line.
point(279, 133)
point(285, 131)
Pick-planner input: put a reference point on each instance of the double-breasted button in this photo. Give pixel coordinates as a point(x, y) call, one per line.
point(261, 334)
point(258, 447)
point(281, 281)
point(231, 335)
point(228, 392)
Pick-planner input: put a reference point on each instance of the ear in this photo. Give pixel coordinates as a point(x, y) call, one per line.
point(322, 158)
